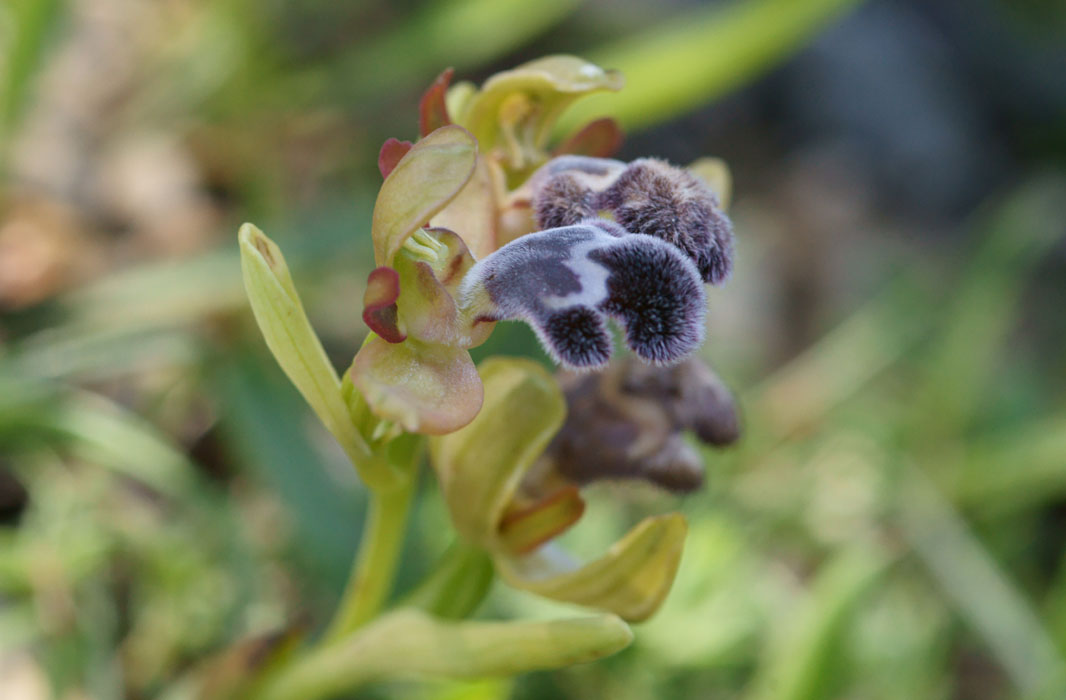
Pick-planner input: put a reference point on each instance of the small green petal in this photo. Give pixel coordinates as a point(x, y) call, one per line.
point(420, 185)
point(425, 388)
point(458, 98)
point(715, 172)
point(631, 579)
point(409, 642)
point(480, 466)
point(289, 335)
point(427, 286)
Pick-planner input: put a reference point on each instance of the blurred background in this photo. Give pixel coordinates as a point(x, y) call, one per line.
point(893, 523)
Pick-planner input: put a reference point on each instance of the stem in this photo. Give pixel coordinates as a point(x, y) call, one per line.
point(375, 566)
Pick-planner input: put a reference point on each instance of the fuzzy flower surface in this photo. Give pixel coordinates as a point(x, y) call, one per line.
point(579, 241)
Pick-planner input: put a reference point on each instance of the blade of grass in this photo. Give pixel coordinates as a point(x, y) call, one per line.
point(267, 427)
point(458, 33)
point(31, 24)
point(698, 56)
point(1007, 473)
point(1019, 233)
point(799, 663)
point(981, 592)
point(798, 395)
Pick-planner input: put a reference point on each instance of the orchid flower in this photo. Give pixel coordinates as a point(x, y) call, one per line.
point(482, 221)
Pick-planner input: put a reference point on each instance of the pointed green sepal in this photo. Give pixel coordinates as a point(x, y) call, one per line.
point(481, 466)
point(297, 349)
point(631, 579)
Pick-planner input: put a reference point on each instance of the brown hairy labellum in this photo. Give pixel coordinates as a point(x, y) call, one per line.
point(628, 422)
point(648, 196)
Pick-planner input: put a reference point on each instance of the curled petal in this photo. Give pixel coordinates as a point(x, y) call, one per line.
point(432, 111)
point(425, 388)
point(565, 281)
point(631, 579)
point(600, 138)
point(392, 151)
point(524, 528)
point(380, 312)
point(425, 305)
point(530, 98)
point(422, 183)
point(481, 466)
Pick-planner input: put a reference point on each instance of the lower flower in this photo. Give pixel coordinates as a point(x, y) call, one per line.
point(482, 469)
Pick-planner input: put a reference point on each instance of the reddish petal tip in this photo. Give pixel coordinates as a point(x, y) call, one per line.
point(392, 151)
point(379, 304)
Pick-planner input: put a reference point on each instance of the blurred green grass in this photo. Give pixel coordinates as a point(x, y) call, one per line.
point(873, 536)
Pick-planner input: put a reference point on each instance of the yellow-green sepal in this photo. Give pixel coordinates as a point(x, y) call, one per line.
point(631, 580)
point(481, 466)
point(297, 349)
point(429, 176)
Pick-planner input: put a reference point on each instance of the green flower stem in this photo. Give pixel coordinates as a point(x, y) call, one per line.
point(375, 565)
point(457, 585)
point(410, 642)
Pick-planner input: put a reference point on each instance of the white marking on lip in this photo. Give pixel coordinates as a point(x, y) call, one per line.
point(592, 276)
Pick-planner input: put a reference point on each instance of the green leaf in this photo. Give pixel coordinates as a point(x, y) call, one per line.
point(31, 24)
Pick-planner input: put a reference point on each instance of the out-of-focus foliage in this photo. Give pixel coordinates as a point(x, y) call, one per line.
point(891, 525)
